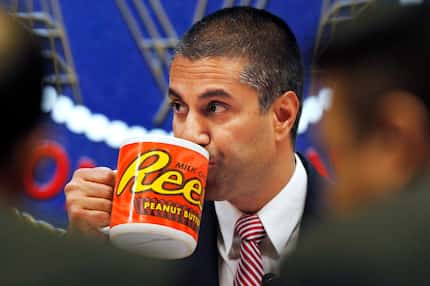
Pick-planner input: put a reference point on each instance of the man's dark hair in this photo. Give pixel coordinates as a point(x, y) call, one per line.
point(264, 40)
point(21, 72)
point(386, 48)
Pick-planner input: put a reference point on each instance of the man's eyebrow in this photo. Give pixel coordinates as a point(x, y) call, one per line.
point(173, 93)
point(207, 94)
point(214, 93)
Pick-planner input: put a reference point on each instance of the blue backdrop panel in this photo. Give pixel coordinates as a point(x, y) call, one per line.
point(109, 73)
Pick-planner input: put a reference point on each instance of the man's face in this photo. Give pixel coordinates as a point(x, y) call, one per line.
point(350, 160)
point(357, 159)
point(339, 136)
point(214, 109)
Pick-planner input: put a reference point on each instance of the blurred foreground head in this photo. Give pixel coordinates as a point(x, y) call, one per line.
point(378, 127)
point(20, 98)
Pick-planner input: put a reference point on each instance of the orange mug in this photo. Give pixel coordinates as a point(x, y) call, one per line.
point(158, 197)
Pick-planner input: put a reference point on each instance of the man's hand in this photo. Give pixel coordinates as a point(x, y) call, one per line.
point(89, 199)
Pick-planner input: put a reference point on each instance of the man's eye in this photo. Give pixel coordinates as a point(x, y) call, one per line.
point(215, 107)
point(178, 107)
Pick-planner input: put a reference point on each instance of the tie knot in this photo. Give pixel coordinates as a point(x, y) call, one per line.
point(249, 227)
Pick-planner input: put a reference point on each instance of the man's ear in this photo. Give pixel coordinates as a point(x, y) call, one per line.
point(402, 137)
point(285, 109)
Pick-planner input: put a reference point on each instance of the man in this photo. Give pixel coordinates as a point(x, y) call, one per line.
point(378, 129)
point(31, 255)
point(235, 89)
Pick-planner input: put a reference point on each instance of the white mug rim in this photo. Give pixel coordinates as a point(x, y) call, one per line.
point(168, 140)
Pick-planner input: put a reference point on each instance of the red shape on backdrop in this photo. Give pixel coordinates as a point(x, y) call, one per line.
point(47, 150)
point(316, 161)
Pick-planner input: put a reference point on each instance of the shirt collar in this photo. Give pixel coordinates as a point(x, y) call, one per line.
point(279, 216)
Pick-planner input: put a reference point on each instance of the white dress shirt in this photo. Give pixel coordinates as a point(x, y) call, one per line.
point(280, 217)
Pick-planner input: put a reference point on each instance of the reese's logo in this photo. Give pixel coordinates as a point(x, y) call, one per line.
point(190, 189)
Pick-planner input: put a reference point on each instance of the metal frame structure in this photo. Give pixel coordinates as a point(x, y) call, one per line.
point(44, 17)
point(156, 49)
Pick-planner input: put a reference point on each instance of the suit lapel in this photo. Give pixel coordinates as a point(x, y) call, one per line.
point(314, 203)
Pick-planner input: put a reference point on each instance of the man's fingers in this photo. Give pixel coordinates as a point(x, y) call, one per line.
point(87, 229)
point(96, 190)
point(89, 199)
point(89, 203)
point(84, 219)
point(101, 175)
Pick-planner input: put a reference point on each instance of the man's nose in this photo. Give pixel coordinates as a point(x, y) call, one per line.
point(194, 129)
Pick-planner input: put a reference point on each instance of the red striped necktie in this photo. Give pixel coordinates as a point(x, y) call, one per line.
point(250, 268)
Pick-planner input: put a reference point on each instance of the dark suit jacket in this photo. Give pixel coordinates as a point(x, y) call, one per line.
point(201, 268)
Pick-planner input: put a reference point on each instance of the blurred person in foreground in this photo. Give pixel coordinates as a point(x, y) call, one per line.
point(31, 255)
point(235, 87)
point(378, 130)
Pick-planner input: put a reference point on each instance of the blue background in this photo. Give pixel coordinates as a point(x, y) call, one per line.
point(115, 80)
